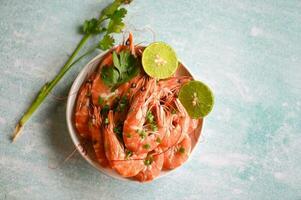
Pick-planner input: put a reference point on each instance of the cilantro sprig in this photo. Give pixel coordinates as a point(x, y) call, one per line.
point(125, 67)
point(94, 26)
point(109, 22)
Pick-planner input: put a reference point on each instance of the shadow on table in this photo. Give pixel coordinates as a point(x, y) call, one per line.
point(64, 157)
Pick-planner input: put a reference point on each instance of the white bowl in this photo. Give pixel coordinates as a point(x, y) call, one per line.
point(86, 149)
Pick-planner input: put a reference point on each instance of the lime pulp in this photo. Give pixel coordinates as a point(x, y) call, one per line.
point(197, 99)
point(159, 60)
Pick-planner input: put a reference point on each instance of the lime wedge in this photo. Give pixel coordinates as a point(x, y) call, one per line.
point(159, 60)
point(196, 98)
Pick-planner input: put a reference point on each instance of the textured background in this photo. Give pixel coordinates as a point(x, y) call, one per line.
point(248, 51)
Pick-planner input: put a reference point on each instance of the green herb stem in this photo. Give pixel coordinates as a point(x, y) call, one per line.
point(46, 89)
point(82, 56)
point(90, 27)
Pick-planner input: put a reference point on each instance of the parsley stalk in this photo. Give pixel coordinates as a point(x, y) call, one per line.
point(90, 28)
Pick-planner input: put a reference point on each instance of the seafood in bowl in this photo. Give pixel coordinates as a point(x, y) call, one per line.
point(131, 115)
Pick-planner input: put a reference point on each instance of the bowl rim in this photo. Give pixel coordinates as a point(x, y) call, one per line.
point(71, 101)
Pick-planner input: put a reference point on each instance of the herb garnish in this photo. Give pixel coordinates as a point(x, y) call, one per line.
point(105, 110)
point(149, 160)
point(125, 67)
point(182, 150)
point(106, 121)
point(151, 120)
point(128, 154)
point(100, 100)
point(149, 116)
point(118, 129)
point(142, 134)
point(146, 146)
point(121, 104)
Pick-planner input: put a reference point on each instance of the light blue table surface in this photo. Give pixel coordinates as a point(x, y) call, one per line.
point(247, 51)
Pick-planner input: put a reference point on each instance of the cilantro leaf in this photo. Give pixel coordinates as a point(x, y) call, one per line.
point(106, 43)
point(126, 64)
point(115, 27)
point(116, 24)
point(100, 100)
point(116, 60)
point(119, 14)
point(109, 75)
point(125, 67)
point(115, 16)
point(126, 60)
point(91, 27)
point(131, 73)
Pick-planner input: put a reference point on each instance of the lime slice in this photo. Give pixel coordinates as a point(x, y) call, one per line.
point(159, 60)
point(196, 98)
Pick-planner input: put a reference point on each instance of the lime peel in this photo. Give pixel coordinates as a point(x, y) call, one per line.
point(159, 60)
point(197, 99)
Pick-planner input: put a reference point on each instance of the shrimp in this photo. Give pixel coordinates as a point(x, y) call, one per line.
point(97, 137)
point(193, 125)
point(101, 92)
point(172, 85)
point(173, 133)
point(138, 138)
point(153, 164)
point(135, 85)
point(124, 162)
point(130, 88)
point(81, 116)
point(178, 126)
point(130, 43)
point(168, 90)
point(125, 93)
point(106, 61)
point(178, 154)
point(99, 89)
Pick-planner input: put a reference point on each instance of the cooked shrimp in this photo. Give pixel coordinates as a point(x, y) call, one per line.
point(81, 116)
point(173, 133)
point(125, 93)
point(193, 124)
point(130, 88)
point(169, 89)
point(101, 92)
point(184, 117)
point(135, 85)
point(178, 154)
point(130, 43)
point(153, 164)
point(138, 138)
point(125, 162)
point(106, 61)
point(178, 125)
point(172, 85)
point(97, 137)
